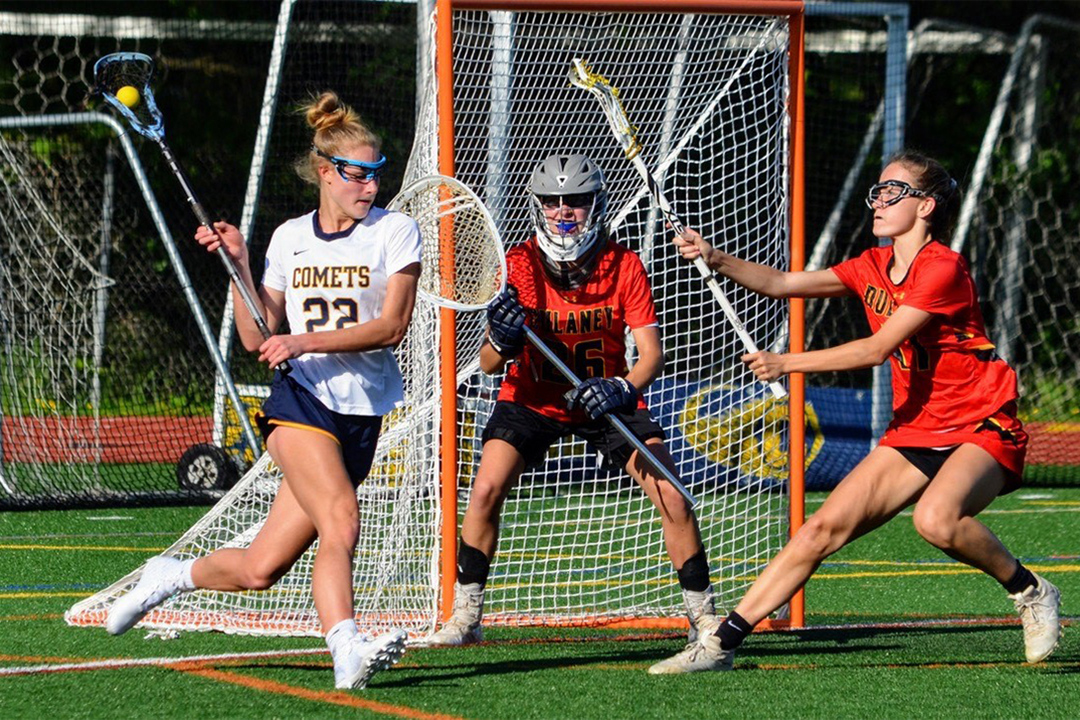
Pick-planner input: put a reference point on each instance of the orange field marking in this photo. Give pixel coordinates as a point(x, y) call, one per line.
point(30, 618)
point(334, 698)
point(52, 660)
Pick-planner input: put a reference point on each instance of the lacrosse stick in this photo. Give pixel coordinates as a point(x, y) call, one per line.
point(464, 268)
point(129, 73)
point(582, 76)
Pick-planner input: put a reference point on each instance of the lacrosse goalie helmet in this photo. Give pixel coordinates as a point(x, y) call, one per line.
point(569, 250)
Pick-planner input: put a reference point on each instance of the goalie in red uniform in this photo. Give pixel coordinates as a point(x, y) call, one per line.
point(954, 443)
point(580, 292)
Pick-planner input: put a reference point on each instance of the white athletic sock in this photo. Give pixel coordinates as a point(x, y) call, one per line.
point(339, 636)
point(185, 583)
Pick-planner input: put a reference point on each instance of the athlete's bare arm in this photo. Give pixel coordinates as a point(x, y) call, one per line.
point(650, 362)
point(857, 354)
point(761, 279)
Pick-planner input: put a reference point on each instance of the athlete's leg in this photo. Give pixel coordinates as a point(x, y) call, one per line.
point(682, 539)
point(945, 514)
point(283, 538)
point(315, 473)
point(280, 542)
point(681, 535)
point(877, 489)
point(500, 466)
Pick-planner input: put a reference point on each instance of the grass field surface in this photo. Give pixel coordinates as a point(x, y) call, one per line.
point(895, 629)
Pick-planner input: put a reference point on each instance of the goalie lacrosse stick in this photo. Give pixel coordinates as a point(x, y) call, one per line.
point(464, 268)
point(582, 76)
point(130, 73)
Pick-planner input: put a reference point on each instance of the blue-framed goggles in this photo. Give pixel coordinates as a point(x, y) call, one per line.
point(354, 170)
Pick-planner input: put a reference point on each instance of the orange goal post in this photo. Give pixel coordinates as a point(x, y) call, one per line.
point(485, 50)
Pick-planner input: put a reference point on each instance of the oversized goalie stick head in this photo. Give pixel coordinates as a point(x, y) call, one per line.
point(125, 70)
point(463, 264)
point(569, 248)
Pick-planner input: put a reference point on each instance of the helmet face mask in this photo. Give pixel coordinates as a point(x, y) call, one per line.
point(568, 247)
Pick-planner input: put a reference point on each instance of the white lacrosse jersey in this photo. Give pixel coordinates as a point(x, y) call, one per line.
point(336, 280)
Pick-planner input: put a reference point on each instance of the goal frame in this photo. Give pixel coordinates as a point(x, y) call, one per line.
point(794, 10)
point(10, 495)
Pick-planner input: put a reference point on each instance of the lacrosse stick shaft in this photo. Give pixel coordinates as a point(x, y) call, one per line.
point(713, 284)
point(616, 423)
point(230, 268)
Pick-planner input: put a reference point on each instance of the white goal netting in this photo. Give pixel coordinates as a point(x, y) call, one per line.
point(709, 94)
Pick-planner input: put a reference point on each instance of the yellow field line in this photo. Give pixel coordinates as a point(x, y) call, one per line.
point(921, 571)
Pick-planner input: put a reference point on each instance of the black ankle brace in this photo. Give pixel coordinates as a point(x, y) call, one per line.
point(472, 565)
point(694, 574)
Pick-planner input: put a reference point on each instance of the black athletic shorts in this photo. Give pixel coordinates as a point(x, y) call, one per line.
point(532, 434)
point(927, 460)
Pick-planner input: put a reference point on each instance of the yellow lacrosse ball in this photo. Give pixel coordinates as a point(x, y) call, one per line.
point(128, 95)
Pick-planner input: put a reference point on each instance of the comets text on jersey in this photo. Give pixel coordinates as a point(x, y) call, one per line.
point(332, 276)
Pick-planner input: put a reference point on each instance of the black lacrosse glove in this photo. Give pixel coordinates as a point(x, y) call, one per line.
point(506, 323)
point(602, 396)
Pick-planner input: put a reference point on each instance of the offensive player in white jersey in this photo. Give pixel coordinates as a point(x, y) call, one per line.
point(345, 277)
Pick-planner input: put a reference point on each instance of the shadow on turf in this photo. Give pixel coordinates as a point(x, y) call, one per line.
point(790, 645)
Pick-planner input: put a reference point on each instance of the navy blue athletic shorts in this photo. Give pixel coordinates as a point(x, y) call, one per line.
point(291, 405)
point(532, 434)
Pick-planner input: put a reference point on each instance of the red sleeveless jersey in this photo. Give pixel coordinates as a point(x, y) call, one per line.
point(946, 377)
point(586, 327)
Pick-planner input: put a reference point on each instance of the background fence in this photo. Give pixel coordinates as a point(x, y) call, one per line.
point(134, 387)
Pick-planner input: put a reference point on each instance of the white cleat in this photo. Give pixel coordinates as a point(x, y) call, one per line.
point(454, 633)
point(1039, 606)
point(705, 655)
point(160, 580)
point(367, 657)
point(463, 627)
point(700, 611)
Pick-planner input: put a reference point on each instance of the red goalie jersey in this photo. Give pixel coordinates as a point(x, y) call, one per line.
point(586, 327)
point(946, 377)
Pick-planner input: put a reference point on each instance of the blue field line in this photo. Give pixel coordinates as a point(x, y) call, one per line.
point(41, 588)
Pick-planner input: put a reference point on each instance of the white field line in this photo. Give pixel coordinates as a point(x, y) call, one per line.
point(120, 663)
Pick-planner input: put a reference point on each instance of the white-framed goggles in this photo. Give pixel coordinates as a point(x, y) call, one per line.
point(354, 170)
point(891, 192)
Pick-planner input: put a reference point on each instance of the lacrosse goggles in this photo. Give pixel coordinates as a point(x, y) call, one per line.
point(890, 192)
point(354, 170)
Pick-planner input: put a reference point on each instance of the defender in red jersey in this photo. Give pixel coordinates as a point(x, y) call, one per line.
point(581, 293)
point(954, 443)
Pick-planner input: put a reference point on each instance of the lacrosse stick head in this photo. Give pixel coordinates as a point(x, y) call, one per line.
point(130, 70)
point(582, 76)
point(463, 264)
